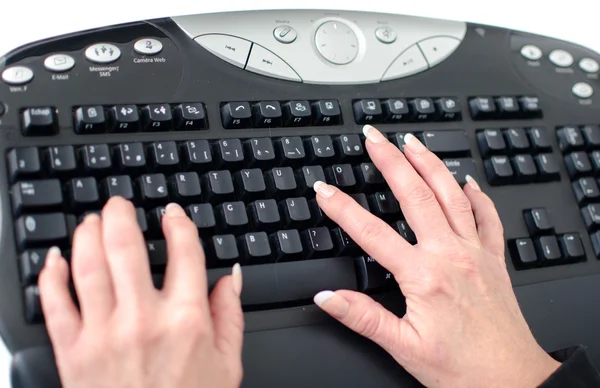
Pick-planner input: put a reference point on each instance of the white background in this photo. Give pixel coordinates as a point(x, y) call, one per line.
point(23, 21)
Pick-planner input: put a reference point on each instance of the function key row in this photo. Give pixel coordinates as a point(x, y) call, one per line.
point(398, 110)
point(271, 114)
point(504, 107)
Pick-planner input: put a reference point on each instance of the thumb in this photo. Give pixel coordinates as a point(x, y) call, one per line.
point(227, 315)
point(363, 315)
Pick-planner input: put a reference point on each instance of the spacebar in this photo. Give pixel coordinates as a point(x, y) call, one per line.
point(291, 281)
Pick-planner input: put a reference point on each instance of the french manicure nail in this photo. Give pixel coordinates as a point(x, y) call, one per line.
point(323, 189)
point(53, 256)
point(174, 210)
point(236, 273)
point(472, 182)
point(323, 297)
point(413, 143)
point(373, 134)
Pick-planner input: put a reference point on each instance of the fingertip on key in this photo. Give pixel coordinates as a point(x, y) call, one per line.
point(323, 189)
point(373, 135)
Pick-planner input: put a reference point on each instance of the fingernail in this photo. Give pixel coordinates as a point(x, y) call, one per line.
point(413, 143)
point(323, 189)
point(236, 273)
point(174, 210)
point(332, 303)
point(53, 256)
point(373, 134)
point(472, 182)
point(92, 217)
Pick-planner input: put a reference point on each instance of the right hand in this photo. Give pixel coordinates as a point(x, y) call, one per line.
point(463, 326)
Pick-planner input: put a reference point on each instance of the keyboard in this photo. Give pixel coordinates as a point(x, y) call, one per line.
point(236, 115)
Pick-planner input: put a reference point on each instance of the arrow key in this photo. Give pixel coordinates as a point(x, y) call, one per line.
point(571, 246)
point(523, 253)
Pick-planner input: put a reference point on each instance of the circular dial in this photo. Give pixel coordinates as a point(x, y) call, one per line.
point(337, 42)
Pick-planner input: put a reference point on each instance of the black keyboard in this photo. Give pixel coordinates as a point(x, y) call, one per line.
point(235, 116)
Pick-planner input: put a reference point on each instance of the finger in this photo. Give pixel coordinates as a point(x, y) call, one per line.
point(419, 205)
point(126, 253)
point(489, 225)
point(91, 274)
point(61, 317)
point(374, 236)
point(185, 277)
point(226, 311)
point(448, 192)
point(364, 316)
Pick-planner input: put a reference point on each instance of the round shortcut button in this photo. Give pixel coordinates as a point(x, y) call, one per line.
point(285, 34)
point(589, 65)
point(59, 62)
point(148, 46)
point(583, 90)
point(17, 75)
point(337, 42)
point(102, 53)
point(561, 58)
point(385, 34)
point(531, 52)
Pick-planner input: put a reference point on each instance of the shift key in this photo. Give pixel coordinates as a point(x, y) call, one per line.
point(460, 167)
point(446, 142)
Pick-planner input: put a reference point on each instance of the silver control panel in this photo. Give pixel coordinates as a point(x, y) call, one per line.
point(325, 47)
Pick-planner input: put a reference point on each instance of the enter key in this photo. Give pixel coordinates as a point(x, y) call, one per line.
point(460, 167)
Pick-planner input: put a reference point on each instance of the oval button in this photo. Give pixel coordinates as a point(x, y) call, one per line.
point(438, 48)
point(410, 62)
point(265, 62)
point(17, 75)
point(102, 53)
point(229, 48)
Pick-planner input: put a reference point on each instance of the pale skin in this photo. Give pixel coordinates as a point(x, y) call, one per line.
point(462, 328)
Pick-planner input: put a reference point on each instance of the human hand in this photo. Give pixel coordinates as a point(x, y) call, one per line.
point(129, 334)
point(463, 326)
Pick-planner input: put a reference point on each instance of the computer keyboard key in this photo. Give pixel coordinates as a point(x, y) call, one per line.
point(83, 193)
point(491, 142)
point(595, 160)
point(368, 174)
point(422, 109)
point(232, 216)
point(547, 249)
point(264, 214)
point(267, 114)
point(578, 164)
point(460, 168)
point(405, 231)
point(23, 162)
point(260, 151)
point(153, 188)
point(297, 113)
point(31, 264)
point(586, 190)
point(540, 139)
point(61, 160)
point(96, 158)
point(396, 110)
point(327, 112)
point(362, 200)
point(225, 247)
point(320, 148)
point(341, 175)
point(118, 185)
point(548, 167)
point(482, 108)
point(349, 147)
point(319, 241)
point(157, 254)
point(229, 153)
point(287, 245)
point(40, 121)
point(41, 229)
point(538, 221)
point(203, 217)
point(291, 150)
point(498, 170)
point(219, 185)
point(280, 182)
point(374, 276)
point(524, 168)
point(591, 134)
point(33, 306)
point(256, 247)
point(508, 107)
point(308, 176)
point(164, 155)
point(446, 142)
point(190, 116)
point(367, 111)
point(185, 186)
point(236, 115)
point(36, 195)
point(571, 246)
point(295, 212)
point(570, 138)
point(157, 117)
point(251, 182)
point(448, 109)
point(131, 157)
point(345, 246)
point(155, 220)
point(141, 219)
point(523, 253)
point(385, 205)
point(591, 216)
point(530, 107)
point(197, 155)
point(124, 118)
point(90, 119)
point(517, 140)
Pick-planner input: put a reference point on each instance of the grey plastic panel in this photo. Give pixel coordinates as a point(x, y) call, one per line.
point(370, 64)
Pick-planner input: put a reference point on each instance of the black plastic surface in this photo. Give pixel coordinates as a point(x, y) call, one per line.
point(299, 347)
